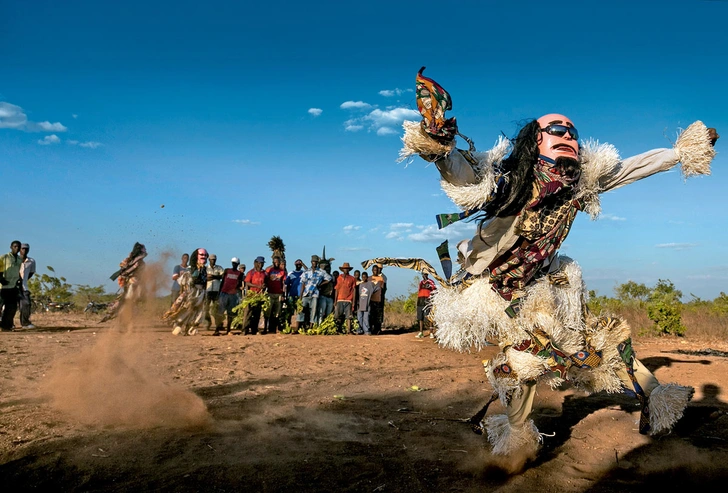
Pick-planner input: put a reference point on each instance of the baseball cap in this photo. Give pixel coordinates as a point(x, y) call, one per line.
point(260, 259)
point(235, 260)
point(315, 258)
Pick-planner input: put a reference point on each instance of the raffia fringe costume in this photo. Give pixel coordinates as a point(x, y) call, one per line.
point(553, 337)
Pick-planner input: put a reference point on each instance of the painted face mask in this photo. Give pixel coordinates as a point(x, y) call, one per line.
point(201, 256)
point(558, 137)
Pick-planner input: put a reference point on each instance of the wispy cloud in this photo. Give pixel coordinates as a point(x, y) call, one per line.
point(49, 139)
point(394, 235)
point(89, 145)
point(355, 105)
point(352, 126)
point(350, 228)
point(612, 217)
point(74, 116)
point(380, 121)
point(315, 111)
point(355, 249)
point(13, 116)
point(52, 127)
point(677, 246)
point(430, 233)
point(394, 226)
point(246, 222)
point(388, 93)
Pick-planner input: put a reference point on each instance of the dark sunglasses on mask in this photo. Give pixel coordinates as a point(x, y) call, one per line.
point(561, 130)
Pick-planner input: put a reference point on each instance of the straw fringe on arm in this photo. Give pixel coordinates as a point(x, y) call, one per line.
point(694, 150)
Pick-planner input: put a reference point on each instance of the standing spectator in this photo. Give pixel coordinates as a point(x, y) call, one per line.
point(326, 294)
point(357, 278)
point(214, 281)
point(275, 282)
point(27, 270)
point(376, 315)
point(366, 290)
point(11, 282)
point(311, 281)
point(293, 287)
point(427, 286)
point(255, 284)
point(175, 275)
point(242, 268)
point(335, 275)
point(189, 308)
point(232, 280)
point(345, 289)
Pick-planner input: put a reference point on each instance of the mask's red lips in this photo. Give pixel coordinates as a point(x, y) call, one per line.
point(564, 148)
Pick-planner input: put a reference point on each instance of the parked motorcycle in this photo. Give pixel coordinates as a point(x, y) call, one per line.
point(94, 307)
point(58, 306)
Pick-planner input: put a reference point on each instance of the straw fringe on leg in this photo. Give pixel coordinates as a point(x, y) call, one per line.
point(506, 439)
point(667, 404)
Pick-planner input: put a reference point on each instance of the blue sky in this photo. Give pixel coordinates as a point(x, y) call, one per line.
point(248, 120)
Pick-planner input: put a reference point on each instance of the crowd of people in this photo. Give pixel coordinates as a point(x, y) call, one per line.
point(204, 294)
point(16, 269)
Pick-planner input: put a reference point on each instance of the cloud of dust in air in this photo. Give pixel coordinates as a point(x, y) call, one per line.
point(115, 382)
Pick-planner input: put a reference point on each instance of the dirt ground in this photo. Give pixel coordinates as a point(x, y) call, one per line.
point(87, 407)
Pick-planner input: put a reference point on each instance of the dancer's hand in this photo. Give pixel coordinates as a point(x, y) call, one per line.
point(713, 134)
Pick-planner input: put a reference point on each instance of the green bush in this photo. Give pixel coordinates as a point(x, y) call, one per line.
point(664, 308)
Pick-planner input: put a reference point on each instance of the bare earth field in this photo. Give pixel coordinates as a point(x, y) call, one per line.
point(86, 407)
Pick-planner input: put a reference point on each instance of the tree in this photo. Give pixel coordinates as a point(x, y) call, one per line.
point(51, 288)
point(631, 291)
point(664, 308)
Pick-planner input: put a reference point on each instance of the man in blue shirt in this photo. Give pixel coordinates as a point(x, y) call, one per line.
point(311, 281)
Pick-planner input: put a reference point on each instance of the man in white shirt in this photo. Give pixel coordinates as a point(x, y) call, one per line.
point(27, 270)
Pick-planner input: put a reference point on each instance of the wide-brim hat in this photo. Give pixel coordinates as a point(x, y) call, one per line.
point(345, 265)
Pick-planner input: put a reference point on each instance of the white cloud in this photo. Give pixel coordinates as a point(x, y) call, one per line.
point(315, 111)
point(355, 249)
point(386, 131)
point(90, 144)
point(355, 105)
point(246, 222)
point(52, 127)
point(13, 116)
point(454, 232)
point(612, 217)
point(394, 226)
point(677, 246)
point(350, 228)
point(382, 122)
point(388, 93)
point(392, 117)
point(74, 116)
point(49, 139)
point(394, 235)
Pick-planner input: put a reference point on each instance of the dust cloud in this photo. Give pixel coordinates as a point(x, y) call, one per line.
point(114, 382)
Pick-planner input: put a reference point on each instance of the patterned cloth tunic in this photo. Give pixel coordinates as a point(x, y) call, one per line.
point(543, 226)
